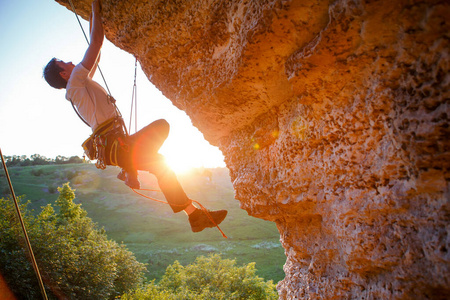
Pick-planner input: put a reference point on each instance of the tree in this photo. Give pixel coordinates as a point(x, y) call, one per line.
point(208, 278)
point(75, 160)
point(76, 259)
point(37, 159)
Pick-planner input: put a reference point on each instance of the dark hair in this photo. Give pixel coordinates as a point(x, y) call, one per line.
point(52, 76)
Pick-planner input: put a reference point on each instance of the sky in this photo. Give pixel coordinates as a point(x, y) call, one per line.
point(37, 119)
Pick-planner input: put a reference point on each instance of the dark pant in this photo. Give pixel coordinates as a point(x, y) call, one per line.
point(142, 154)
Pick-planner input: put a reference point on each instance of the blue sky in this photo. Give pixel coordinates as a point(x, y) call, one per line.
point(35, 118)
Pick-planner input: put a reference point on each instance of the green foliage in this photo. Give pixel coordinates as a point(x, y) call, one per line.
point(13, 256)
point(76, 259)
point(208, 278)
point(69, 211)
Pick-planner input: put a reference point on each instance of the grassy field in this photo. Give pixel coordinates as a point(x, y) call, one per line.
point(149, 229)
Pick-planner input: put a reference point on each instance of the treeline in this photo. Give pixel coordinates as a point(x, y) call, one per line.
point(37, 159)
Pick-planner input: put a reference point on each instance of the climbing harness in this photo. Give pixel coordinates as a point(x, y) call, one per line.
point(103, 144)
point(24, 230)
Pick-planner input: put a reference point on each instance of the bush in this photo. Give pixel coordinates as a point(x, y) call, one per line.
point(208, 278)
point(52, 188)
point(70, 174)
point(76, 259)
point(37, 172)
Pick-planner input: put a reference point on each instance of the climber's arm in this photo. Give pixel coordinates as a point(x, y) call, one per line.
point(94, 68)
point(97, 34)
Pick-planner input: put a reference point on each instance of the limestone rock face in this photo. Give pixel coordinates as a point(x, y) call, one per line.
point(333, 117)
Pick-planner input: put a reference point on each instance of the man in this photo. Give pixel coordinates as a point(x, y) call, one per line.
point(111, 146)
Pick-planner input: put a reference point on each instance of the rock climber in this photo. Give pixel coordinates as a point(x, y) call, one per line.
point(109, 143)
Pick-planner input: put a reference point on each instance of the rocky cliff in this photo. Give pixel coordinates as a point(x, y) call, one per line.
point(333, 117)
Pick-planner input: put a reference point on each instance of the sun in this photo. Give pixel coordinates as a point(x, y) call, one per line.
point(178, 164)
point(183, 160)
point(185, 148)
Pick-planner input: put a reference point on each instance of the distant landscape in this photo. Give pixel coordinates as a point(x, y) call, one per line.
point(149, 229)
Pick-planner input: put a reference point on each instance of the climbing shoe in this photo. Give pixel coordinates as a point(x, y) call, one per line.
point(122, 175)
point(132, 181)
point(199, 220)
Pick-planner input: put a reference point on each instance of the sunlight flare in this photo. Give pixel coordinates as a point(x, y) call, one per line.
point(183, 160)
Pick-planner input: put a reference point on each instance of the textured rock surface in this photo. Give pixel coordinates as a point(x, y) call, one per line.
point(333, 117)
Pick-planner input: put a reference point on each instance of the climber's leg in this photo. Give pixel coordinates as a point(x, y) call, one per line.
point(178, 200)
point(130, 178)
point(167, 181)
point(146, 141)
point(150, 138)
point(144, 146)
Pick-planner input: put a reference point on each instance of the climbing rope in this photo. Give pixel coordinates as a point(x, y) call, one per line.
point(165, 202)
point(24, 230)
point(134, 100)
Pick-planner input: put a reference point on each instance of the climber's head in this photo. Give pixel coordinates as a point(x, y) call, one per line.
point(57, 73)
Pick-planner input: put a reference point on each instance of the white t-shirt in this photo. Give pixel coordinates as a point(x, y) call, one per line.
point(89, 97)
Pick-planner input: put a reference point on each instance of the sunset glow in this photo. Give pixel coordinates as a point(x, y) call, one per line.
point(183, 159)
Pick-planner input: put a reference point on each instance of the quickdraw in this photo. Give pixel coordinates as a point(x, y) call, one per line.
point(100, 147)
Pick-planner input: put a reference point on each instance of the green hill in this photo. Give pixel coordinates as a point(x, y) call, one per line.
point(150, 229)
